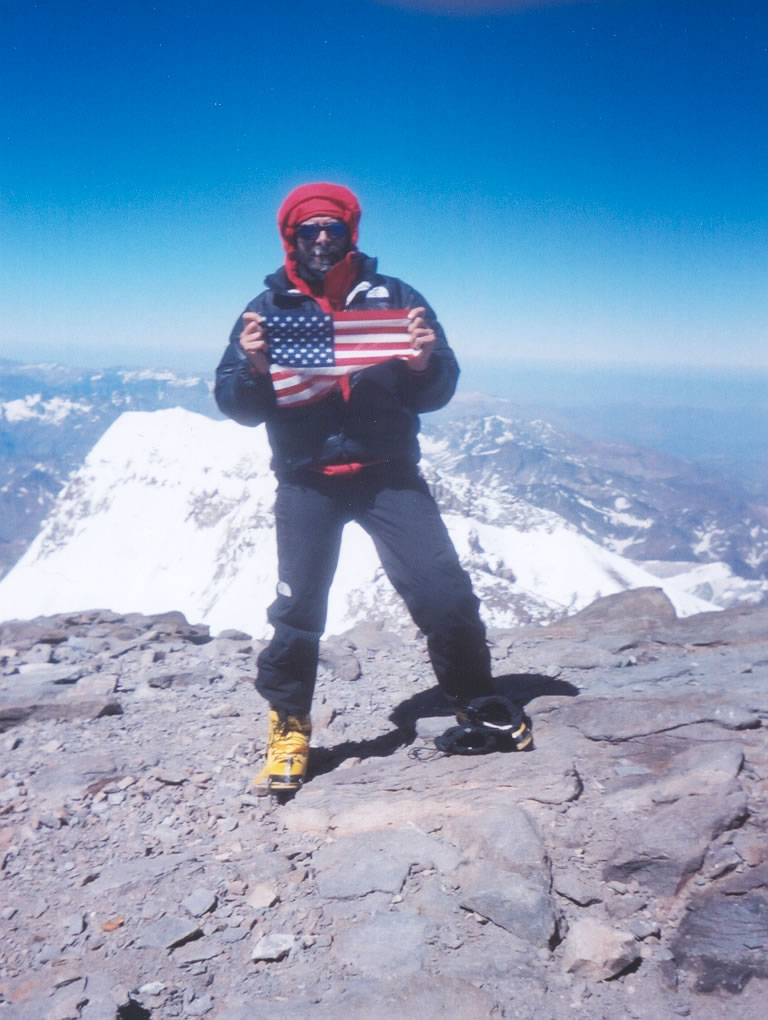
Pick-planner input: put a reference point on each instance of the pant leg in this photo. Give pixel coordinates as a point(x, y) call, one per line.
point(309, 519)
point(418, 556)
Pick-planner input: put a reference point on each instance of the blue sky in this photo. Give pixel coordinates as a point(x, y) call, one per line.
point(565, 181)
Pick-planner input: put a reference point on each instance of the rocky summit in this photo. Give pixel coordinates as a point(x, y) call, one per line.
point(619, 869)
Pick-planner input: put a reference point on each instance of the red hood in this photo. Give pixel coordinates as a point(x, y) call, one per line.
point(320, 199)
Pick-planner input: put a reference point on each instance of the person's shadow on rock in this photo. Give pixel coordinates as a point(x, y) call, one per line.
point(326, 759)
point(425, 704)
point(432, 703)
point(522, 688)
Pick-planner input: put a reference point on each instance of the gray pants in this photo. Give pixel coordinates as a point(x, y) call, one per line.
point(394, 506)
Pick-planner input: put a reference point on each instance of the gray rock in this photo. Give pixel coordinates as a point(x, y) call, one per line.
point(341, 660)
point(197, 951)
point(230, 634)
point(171, 775)
point(262, 895)
point(625, 905)
point(152, 988)
point(273, 947)
point(179, 678)
point(64, 707)
point(376, 862)
point(224, 710)
point(555, 784)
point(596, 951)
point(618, 719)
point(644, 928)
point(668, 777)
point(368, 636)
point(519, 905)
point(129, 874)
point(366, 870)
point(370, 999)
point(738, 883)
point(199, 902)
point(199, 1006)
point(167, 933)
point(646, 607)
point(724, 941)
point(385, 944)
point(575, 889)
point(497, 830)
point(76, 924)
point(432, 727)
point(97, 685)
point(670, 844)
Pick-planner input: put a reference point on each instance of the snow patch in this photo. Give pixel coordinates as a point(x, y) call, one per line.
point(50, 412)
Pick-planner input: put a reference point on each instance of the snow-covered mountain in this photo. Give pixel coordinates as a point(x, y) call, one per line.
point(173, 510)
point(51, 416)
point(638, 502)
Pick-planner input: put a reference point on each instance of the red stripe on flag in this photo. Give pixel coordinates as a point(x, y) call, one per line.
point(361, 338)
point(370, 315)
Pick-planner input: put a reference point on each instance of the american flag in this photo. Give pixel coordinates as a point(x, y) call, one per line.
point(309, 352)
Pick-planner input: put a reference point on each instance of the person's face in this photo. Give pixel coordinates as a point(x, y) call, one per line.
point(321, 242)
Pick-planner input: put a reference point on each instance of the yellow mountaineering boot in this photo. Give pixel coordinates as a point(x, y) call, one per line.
point(287, 752)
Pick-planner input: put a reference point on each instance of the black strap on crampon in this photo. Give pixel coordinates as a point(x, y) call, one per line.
point(466, 740)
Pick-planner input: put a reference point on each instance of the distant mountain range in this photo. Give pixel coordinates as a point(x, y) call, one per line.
point(715, 416)
point(634, 501)
point(51, 416)
point(173, 509)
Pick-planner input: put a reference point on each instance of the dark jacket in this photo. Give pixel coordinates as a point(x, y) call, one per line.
point(379, 421)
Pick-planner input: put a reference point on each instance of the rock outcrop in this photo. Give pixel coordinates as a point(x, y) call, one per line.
point(619, 869)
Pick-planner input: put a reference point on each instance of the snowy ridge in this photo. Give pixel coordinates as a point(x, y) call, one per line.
point(52, 411)
point(636, 502)
point(174, 510)
point(156, 375)
point(51, 416)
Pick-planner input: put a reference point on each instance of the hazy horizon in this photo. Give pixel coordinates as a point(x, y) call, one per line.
point(523, 380)
point(716, 417)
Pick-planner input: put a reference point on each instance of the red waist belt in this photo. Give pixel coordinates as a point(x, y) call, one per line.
point(344, 469)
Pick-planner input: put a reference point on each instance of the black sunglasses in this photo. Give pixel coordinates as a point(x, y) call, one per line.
point(334, 231)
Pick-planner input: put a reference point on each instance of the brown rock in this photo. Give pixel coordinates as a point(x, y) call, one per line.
point(596, 951)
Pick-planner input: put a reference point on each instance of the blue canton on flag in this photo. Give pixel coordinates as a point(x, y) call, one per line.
point(301, 341)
